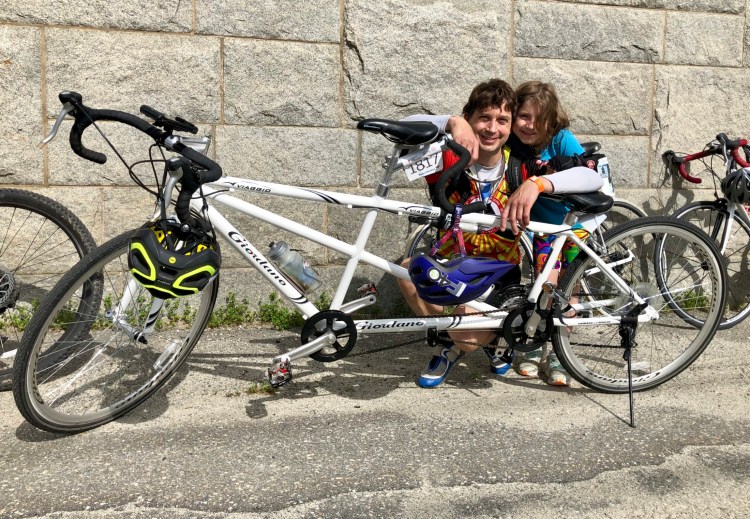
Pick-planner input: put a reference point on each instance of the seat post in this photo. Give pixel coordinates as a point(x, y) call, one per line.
point(389, 168)
point(571, 218)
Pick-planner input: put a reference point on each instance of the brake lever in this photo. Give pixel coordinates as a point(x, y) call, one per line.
point(66, 109)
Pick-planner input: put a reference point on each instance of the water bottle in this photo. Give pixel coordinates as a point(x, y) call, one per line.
point(294, 266)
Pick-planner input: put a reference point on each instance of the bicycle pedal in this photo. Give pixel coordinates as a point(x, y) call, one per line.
point(280, 373)
point(368, 288)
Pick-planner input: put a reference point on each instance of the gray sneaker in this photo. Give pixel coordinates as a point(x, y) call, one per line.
point(554, 373)
point(527, 364)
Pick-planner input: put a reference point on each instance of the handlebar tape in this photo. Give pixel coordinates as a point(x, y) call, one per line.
point(191, 180)
point(85, 117)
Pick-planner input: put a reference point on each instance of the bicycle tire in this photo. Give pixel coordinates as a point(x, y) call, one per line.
point(104, 373)
point(424, 236)
point(40, 240)
point(688, 263)
point(711, 218)
point(622, 212)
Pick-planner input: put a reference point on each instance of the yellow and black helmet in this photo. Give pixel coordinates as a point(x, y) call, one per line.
point(173, 260)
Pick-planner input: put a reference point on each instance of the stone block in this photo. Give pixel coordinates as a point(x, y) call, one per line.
point(124, 209)
point(658, 202)
point(122, 71)
point(691, 106)
point(600, 98)
point(281, 83)
point(21, 98)
point(84, 202)
point(140, 15)
point(294, 156)
point(628, 159)
point(314, 20)
point(425, 59)
point(703, 39)
point(711, 6)
point(562, 31)
point(65, 167)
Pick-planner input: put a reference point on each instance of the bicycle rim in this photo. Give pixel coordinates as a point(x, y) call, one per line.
point(104, 373)
point(620, 213)
point(659, 258)
point(712, 218)
point(40, 240)
point(424, 237)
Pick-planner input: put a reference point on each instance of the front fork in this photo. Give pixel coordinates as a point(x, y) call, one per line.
point(119, 317)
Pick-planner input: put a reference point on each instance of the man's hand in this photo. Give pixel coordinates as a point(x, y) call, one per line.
point(463, 134)
point(517, 209)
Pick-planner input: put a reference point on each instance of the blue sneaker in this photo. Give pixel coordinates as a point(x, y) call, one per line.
point(445, 357)
point(499, 363)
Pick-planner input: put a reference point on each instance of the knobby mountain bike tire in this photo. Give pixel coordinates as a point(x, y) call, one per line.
point(660, 258)
point(104, 373)
point(712, 218)
point(40, 240)
point(425, 236)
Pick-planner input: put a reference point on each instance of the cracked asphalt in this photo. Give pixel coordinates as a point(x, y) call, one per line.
point(358, 438)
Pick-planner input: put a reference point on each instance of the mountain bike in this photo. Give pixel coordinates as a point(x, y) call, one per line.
point(726, 222)
point(40, 240)
point(130, 342)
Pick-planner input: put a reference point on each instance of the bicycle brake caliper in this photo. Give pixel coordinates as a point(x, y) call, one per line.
point(280, 373)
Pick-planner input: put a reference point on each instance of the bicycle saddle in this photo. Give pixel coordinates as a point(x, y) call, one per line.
point(401, 132)
point(589, 148)
point(589, 203)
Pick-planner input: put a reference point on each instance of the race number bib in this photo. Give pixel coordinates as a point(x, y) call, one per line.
point(422, 162)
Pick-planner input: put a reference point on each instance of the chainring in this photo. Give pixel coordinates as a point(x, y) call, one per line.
point(513, 328)
point(513, 300)
point(334, 321)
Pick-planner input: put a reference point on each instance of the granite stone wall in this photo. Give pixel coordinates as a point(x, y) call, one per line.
point(280, 85)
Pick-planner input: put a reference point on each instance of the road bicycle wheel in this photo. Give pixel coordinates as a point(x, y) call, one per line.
point(104, 373)
point(659, 258)
point(622, 212)
point(424, 237)
point(40, 240)
point(734, 240)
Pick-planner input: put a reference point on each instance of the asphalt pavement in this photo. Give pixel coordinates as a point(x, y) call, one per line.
point(358, 438)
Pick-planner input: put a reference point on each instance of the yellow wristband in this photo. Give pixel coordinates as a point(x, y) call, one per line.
point(538, 181)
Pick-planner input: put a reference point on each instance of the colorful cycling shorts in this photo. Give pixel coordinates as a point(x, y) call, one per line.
point(543, 247)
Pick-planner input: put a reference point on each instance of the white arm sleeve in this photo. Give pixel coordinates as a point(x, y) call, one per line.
point(575, 180)
point(441, 121)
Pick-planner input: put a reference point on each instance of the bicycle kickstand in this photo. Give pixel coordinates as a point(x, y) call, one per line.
point(628, 325)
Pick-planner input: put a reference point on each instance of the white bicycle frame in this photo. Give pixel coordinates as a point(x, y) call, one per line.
point(219, 193)
point(732, 210)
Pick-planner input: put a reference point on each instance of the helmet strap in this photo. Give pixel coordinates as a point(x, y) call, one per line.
point(454, 232)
